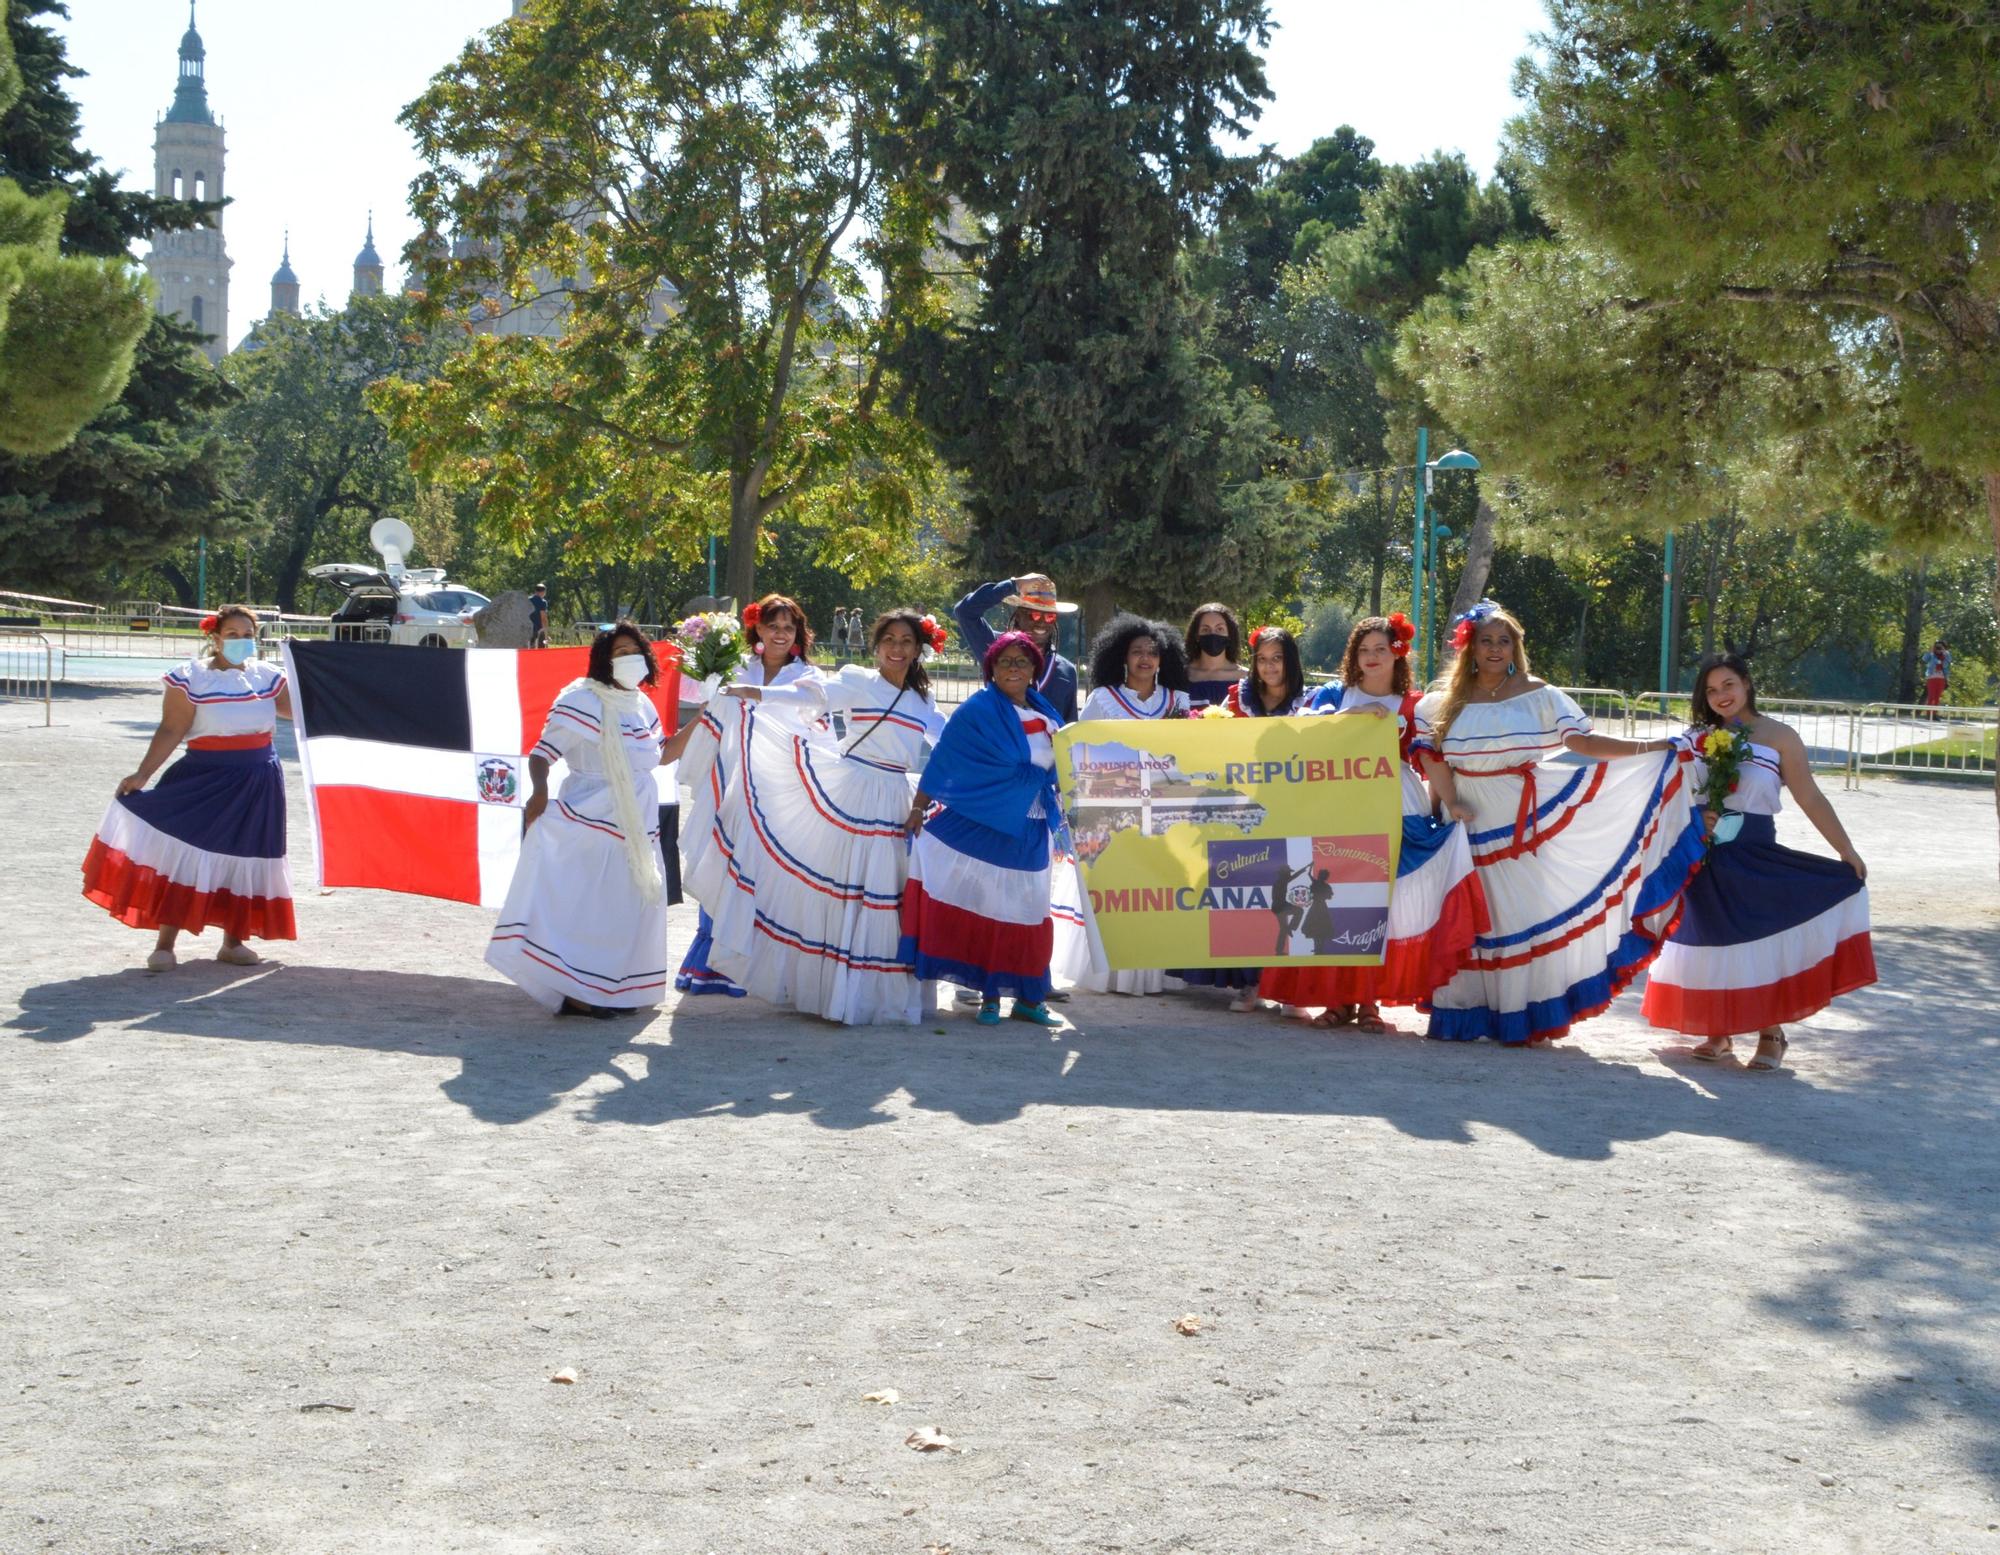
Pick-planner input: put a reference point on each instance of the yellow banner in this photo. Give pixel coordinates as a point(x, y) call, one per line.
point(1211, 842)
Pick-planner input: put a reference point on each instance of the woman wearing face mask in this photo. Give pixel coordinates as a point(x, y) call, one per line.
point(779, 680)
point(205, 846)
point(1214, 640)
point(1770, 935)
point(977, 909)
point(584, 927)
point(1583, 866)
point(1438, 908)
point(810, 915)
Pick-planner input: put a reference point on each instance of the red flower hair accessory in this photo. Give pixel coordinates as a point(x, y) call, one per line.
point(1401, 634)
point(936, 634)
point(751, 616)
point(210, 623)
point(1256, 633)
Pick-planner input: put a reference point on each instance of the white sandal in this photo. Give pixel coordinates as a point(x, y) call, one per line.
point(239, 955)
point(161, 961)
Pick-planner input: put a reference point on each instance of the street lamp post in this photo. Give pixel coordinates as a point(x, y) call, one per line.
point(1439, 534)
point(1421, 547)
point(1667, 618)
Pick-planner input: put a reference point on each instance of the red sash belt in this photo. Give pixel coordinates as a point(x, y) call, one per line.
point(230, 742)
point(1525, 818)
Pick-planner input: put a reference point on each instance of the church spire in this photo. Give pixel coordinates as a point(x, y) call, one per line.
point(368, 270)
point(191, 88)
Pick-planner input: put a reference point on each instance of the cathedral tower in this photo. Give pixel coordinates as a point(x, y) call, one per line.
point(285, 284)
point(190, 270)
point(368, 266)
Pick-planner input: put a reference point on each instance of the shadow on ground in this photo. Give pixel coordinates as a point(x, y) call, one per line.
point(1913, 1146)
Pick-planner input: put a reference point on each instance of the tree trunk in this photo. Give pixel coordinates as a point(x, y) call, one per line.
point(739, 573)
point(1711, 593)
point(1478, 563)
point(1100, 604)
point(1381, 560)
point(1915, 596)
point(1576, 666)
point(179, 582)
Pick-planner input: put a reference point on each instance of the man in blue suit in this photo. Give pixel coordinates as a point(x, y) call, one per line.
point(1032, 598)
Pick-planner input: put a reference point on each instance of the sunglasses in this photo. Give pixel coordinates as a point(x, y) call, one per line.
point(1040, 617)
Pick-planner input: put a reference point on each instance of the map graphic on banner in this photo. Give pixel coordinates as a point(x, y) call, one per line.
point(1237, 842)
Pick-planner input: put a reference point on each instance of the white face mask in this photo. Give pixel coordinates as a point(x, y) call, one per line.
point(629, 670)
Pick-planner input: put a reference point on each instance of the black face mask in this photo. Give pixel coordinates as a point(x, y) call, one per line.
point(1214, 644)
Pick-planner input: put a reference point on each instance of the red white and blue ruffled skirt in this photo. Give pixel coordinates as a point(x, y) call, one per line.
point(1767, 936)
point(202, 848)
point(1436, 914)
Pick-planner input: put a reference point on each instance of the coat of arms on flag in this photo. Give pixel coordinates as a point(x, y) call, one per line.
point(415, 759)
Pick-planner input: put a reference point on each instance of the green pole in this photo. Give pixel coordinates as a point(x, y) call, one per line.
point(201, 573)
point(1667, 618)
point(711, 566)
point(1417, 546)
point(1439, 534)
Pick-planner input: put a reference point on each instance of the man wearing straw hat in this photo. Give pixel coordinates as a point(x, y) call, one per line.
point(1032, 598)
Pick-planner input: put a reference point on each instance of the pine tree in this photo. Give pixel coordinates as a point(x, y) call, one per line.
point(1100, 438)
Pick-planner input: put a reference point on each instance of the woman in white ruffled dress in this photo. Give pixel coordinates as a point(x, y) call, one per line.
point(584, 928)
point(780, 680)
point(814, 921)
point(1583, 866)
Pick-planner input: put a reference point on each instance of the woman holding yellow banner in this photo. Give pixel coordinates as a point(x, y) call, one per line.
point(1438, 908)
point(1583, 866)
point(1138, 669)
point(976, 911)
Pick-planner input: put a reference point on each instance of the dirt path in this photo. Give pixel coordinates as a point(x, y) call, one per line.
point(293, 1253)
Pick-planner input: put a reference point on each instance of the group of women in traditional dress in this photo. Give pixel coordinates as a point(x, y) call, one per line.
point(850, 846)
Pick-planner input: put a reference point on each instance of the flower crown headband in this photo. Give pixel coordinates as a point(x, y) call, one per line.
point(935, 634)
point(1401, 634)
point(1463, 626)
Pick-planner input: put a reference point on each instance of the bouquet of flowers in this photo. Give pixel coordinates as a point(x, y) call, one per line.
point(1724, 751)
point(714, 648)
point(1215, 710)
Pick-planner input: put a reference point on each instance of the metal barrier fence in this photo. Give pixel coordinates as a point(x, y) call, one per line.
point(1912, 737)
point(27, 669)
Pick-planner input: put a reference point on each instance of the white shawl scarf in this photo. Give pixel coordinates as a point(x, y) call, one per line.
point(640, 855)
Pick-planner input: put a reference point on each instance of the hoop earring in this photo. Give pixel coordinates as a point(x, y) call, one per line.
point(1510, 666)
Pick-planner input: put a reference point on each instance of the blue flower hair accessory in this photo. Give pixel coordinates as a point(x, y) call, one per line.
point(1467, 622)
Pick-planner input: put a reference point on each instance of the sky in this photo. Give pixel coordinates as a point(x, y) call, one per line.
point(309, 99)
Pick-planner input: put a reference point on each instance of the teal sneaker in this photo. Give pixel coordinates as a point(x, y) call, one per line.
point(989, 1013)
point(1036, 1014)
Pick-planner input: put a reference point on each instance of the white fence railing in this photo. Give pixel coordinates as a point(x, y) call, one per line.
point(27, 670)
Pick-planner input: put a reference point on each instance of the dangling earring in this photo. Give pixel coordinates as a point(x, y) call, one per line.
point(1510, 666)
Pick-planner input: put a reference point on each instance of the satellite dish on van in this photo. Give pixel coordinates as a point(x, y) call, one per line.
point(393, 542)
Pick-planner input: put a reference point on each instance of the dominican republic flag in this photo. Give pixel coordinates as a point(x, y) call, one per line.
point(415, 759)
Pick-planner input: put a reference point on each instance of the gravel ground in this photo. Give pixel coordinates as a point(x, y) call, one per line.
point(297, 1250)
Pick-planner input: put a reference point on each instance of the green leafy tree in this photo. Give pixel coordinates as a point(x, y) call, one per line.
point(68, 323)
point(1777, 239)
point(1081, 396)
point(318, 464)
point(700, 199)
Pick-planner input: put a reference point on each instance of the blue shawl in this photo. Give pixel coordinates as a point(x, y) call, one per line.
point(981, 767)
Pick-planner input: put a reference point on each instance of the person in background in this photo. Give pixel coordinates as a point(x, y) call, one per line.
point(1768, 935)
point(1937, 674)
point(1276, 684)
point(1032, 598)
point(205, 846)
point(1215, 644)
point(584, 928)
point(538, 617)
point(977, 910)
